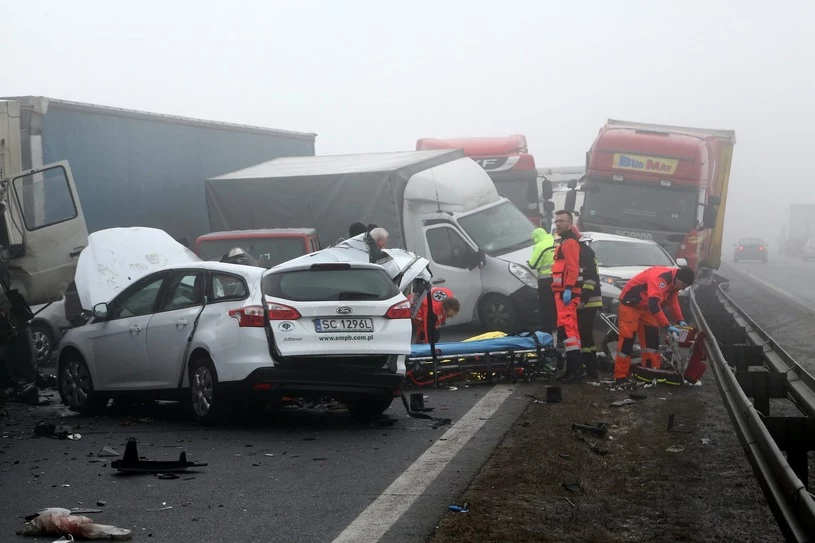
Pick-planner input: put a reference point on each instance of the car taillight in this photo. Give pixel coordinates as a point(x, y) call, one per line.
point(248, 317)
point(280, 312)
point(399, 311)
point(761, 248)
point(741, 248)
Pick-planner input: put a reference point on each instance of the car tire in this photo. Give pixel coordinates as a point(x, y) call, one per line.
point(43, 338)
point(76, 386)
point(206, 396)
point(498, 313)
point(368, 406)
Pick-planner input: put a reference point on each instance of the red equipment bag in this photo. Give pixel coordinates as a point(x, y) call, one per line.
point(696, 364)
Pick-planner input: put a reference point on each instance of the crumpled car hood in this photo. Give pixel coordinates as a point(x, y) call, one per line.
point(117, 257)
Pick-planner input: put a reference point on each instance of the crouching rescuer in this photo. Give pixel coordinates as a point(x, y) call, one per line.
point(566, 281)
point(445, 306)
point(640, 313)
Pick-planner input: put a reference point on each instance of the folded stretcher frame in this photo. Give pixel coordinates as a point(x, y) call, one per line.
point(523, 356)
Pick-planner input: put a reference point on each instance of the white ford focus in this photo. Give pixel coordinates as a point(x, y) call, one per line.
point(211, 332)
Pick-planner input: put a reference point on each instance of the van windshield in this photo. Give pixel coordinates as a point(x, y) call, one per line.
point(499, 229)
point(269, 251)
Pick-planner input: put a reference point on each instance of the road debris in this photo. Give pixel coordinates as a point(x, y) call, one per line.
point(108, 451)
point(572, 487)
point(60, 522)
point(459, 508)
point(620, 403)
point(675, 449)
point(131, 462)
point(598, 429)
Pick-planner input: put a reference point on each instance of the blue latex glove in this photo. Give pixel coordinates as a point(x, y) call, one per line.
point(673, 330)
point(567, 296)
point(682, 323)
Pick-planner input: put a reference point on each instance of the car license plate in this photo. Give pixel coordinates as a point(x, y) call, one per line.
point(343, 325)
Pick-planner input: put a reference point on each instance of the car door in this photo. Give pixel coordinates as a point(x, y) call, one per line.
point(167, 333)
point(452, 259)
point(119, 346)
point(47, 234)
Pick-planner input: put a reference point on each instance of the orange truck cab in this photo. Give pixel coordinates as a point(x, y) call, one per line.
point(508, 163)
point(662, 183)
point(270, 247)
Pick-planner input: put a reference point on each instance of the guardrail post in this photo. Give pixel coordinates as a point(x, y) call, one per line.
point(746, 356)
point(762, 386)
point(795, 436)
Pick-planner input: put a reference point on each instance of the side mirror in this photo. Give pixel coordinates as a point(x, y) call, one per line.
point(546, 189)
point(715, 200)
point(681, 262)
point(709, 217)
point(100, 311)
point(571, 200)
point(571, 184)
point(548, 205)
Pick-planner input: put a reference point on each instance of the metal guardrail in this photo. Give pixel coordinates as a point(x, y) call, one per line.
point(735, 345)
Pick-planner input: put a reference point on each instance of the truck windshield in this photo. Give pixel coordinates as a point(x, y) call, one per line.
point(499, 229)
point(641, 206)
point(611, 254)
point(268, 251)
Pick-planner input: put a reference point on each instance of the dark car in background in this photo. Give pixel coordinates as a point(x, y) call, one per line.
point(750, 249)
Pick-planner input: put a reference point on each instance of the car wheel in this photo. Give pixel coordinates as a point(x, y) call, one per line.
point(76, 386)
point(368, 406)
point(206, 399)
point(43, 343)
point(498, 313)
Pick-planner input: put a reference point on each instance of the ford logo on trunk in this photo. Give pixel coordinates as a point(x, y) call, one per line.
point(344, 310)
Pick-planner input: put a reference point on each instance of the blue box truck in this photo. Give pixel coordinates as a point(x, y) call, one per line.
point(133, 168)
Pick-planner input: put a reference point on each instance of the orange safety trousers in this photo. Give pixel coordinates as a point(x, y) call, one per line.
point(643, 323)
point(567, 323)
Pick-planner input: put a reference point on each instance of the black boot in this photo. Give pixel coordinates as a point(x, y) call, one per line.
point(590, 362)
point(574, 367)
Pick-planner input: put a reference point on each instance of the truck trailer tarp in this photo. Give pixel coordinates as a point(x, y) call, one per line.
point(325, 192)
point(134, 168)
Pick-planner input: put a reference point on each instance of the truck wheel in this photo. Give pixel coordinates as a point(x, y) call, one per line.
point(43, 342)
point(206, 399)
point(498, 313)
point(76, 386)
point(368, 406)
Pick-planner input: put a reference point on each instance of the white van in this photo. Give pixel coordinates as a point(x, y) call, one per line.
point(437, 204)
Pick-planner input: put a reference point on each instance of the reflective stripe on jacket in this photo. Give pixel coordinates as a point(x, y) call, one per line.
point(566, 267)
point(651, 289)
point(590, 293)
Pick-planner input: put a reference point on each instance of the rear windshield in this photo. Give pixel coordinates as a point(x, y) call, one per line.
point(268, 252)
point(751, 241)
point(330, 285)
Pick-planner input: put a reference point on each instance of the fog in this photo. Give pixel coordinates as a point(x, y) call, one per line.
point(367, 76)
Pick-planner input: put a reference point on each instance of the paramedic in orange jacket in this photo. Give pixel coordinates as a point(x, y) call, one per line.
point(640, 313)
point(566, 281)
point(445, 305)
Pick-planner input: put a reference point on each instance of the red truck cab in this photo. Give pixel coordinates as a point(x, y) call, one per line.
point(663, 184)
point(508, 163)
point(269, 246)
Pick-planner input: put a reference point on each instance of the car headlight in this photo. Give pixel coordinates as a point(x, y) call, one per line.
point(611, 280)
point(523, 274)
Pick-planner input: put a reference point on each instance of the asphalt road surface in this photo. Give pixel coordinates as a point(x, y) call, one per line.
point(308, 474)
point(780, 297)
point(792, 275)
